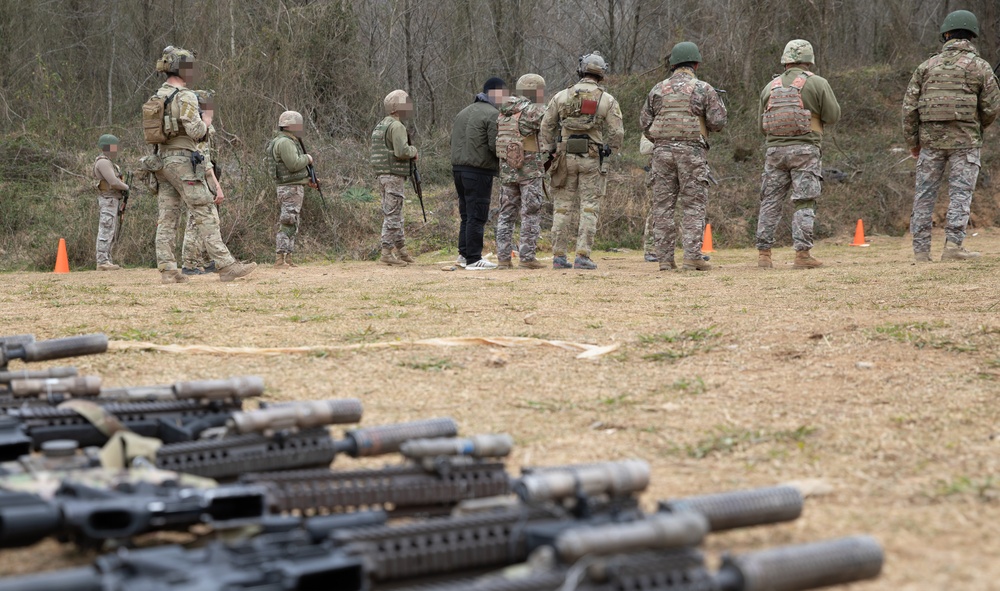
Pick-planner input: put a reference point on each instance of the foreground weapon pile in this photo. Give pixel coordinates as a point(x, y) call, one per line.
point(99, 466)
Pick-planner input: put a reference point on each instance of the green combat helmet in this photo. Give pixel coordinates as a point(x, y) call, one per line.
point(170, 61)
point(684, 52)
point(960, 20)
point(107, 140)
point(798, 51)
point(592, 64)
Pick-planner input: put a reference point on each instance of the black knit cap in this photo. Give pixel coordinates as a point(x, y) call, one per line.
point(493, 84)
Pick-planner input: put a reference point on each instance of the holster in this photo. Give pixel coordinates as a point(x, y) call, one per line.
point(557, 171)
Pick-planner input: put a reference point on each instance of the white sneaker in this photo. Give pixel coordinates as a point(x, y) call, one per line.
point(481, 265)
point(460, 261)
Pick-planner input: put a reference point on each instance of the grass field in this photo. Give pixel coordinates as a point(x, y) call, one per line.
point(872, 378)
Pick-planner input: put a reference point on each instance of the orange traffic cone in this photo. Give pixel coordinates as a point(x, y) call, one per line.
point(859, 235)
point(62, 259)
point(706, 241)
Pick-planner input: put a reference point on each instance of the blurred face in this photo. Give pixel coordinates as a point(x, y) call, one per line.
point(405, 109)
point(111, 151)
point(189, 71)
point(536, 95)
point(295, 129)
point(497, 95)
point(208, 107)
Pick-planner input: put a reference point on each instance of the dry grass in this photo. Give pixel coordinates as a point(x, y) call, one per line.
point(875, 375)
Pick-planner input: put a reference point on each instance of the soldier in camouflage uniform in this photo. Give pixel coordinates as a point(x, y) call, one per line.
point(390, 157)
point(794, 108)
point(581, 127)
point(522, 171)
point(290, 170)
point(109, 186)
point(182, 176)
point(677, 116)
point(951, 99)
point(194, 252)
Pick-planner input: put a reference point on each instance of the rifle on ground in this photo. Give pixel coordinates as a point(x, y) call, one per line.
point(25, 348)
point(415, 181)
point(313, 181)
point(55, 390)
point(6, 377)
point(127, 179)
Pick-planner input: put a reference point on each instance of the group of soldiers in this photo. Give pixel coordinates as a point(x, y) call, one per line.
point(951, 98)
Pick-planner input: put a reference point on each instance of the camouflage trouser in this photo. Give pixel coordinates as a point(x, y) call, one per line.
point(106, 227)
point(525, 197)
point(179, 184)
point(194, 253)
point(392, 209)
point(961, 184)
point(800, 169)
point(584, 182)
point(680, 171)
point(290, 197)
point(648, 244)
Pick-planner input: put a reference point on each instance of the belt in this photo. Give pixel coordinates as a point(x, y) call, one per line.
point(180, 151)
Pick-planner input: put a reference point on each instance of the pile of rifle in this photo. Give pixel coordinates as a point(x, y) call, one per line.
point(444, 515)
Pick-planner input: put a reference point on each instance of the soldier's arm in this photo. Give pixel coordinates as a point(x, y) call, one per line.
point(550, 124)
point(531, 119)
point(491, 135)
point(764, 96)
point(190, 118)
point(107, 172)
point(911, 116)
point(989, 98)
point(290, 156)
point(829, 107)
point(648, 113)
point(716, 115)
point(615, 126)
point(397, 139)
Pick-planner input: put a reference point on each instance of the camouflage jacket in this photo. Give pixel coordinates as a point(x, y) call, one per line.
point(817, 96)
point(705, 103)
point(947, 135)
point(184, 108)
point(529, 124)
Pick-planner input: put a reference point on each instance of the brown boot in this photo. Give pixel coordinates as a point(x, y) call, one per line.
point(698, 264)
point(288, 260)
point(173, 276)
point(108, 267)
point(390, 259)
point(803, 260)
point(955, 252)
point(279, 261)
point(236, 270)
point(530, 264)
point(404, 256)
point(764, 259)
point(922, 257)
point(667, 264)
point(504, 264)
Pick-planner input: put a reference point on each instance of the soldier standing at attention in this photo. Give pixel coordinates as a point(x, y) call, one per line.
point(290, 170)
point(110, 187)
point(194, 253)
point(678, 114)
point(390, 157)
point(951, 99)
point(794, 108)
point(182, 176)
point(522, 170)
point(581, 127)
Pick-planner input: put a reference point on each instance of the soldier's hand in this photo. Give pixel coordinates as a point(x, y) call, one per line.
point(219, 195)
point(915, 152)
point(207, 117)
point(310, 159)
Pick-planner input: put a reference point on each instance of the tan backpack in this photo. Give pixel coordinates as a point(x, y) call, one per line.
point(157, 125)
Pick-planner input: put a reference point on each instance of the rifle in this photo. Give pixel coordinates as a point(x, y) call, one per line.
point(313, 181)
point(25, 348)
point(415, 181)
point(53, 390)
point(127, 179)
point(6, 377)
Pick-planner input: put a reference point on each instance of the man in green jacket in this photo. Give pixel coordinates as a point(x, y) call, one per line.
point(391, 154)
point(794, 109)
point(290, 169)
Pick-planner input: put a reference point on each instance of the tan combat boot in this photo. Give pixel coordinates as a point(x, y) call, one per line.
point(530, 264)
point(288, 260)
point(955, 252)
point(279, 261)
point(922, 257)
point(803, 260)
point(504, 264)
point(404, 256)
point(390, 259)
point(667, 264)
point(236, 270)
point(173, 276)
point(108, 267)
point(698, 264)
point(764, 259)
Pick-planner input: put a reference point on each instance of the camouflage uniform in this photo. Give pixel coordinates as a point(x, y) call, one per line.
point(581, 178)
point(194, 252)
point(648, 244)
point(390, 158)
point(108, 201)
point(946, 124)
point(521, 189)
point(290, 169)
point(677, 115)
point(793, 159)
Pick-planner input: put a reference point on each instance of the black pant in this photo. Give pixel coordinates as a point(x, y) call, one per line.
point(474, 189)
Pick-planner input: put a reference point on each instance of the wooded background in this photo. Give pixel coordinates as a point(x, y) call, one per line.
point(71, 70)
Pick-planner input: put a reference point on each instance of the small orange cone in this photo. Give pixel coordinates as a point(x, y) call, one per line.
point(62, 259)
point(706, 241)
point(859, 235)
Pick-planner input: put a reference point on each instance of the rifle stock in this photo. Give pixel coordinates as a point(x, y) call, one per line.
point(416, 182)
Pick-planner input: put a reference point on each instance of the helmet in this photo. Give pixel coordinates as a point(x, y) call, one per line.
point(594, 64)
point(106, 140)
point(530, 82)
point(393, 100)
point(684, 52)
point(290, 118)
point(170, 61)
point(960, 19)
point(798, 51)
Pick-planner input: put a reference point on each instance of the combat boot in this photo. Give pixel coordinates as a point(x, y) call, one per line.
point(530, 264)
point(191, 271)
point(698, 264)
point(803, 260)
point(652, 258)
point(108, 267)
point(922, 257)
point(390, 259)
point(668, 265)
point(560, 262)
point(504, 264)
point(279, 261)
point(211, 268)
point(288, 260)
point(172, 276)
point(404, 256)
point(764, 259)
point(583, 262)
point(236, 270)
point(955, 252)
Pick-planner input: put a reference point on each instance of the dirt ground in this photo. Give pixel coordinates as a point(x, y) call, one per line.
point(874, 376)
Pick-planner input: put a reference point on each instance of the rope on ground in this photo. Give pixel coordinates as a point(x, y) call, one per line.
point(583, 350)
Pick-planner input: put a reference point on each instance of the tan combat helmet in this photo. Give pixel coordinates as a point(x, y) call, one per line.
point(592, 64)
point(529, 82)
point(394, 100)
point(170, 61)
point(289, 118)
point(798, 51)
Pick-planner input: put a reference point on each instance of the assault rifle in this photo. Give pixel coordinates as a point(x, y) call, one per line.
point(6, 377)
point(54, 390)
point(313, 181)
point(440, 474)
point(415, 180)
point(89, 515)
point(25, 348)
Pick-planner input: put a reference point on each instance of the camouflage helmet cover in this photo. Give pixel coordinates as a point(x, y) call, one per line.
point(594, 64)
point(798, 51)
point(393, 100)
point(684, 52)
point(170, 61)
point(530, 82)
point(961, 19)
point(290, 118)
point(107, 140)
